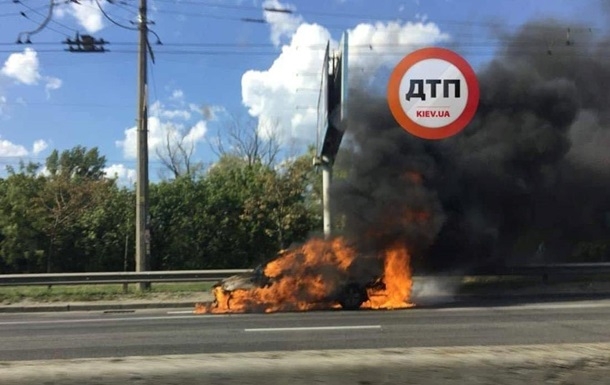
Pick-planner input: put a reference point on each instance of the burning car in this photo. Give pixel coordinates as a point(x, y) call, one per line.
point(349, 293)
point(321, 274)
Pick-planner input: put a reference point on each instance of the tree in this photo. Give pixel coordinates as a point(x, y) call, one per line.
point(75, 185)
point(21, 220)
point(180, 225)
point(71, 212)
point(176, 155)
point(103, 238)
point(76, 162)
point(252, 140)
point(289, 201)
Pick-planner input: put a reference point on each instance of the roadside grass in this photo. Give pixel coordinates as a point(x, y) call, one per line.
point(103, 292)
point(175, 291)
point(476, 283)
point(498, 284)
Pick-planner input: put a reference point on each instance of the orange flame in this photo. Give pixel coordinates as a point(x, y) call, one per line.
point(306, 278)
point(397, 281)
point(300, 279)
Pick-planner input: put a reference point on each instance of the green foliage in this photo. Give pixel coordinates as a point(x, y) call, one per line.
point(596, 251)
point(22, 243)
point(237, 214)
point(77, 162)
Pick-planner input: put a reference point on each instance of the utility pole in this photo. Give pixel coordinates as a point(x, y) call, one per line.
point(142, 218)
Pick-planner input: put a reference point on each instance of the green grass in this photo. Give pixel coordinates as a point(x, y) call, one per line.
point(61, 293)
point(81, 293)
point(480, 284)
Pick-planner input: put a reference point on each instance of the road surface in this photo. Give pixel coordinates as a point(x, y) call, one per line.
point(34, 336)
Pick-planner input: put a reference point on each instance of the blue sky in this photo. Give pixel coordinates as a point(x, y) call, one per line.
point(213, 65)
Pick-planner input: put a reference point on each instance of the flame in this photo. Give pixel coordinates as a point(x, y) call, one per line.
point(308, 277)
point(314, 275)
point(300, 279)
point(397, 279)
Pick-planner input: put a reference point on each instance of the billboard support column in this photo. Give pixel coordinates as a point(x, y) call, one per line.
point(327, 175)
point(332, 107)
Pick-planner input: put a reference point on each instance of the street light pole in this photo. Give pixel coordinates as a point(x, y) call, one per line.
point(142, 218)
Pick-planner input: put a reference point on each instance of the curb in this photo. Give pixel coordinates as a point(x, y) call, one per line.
point(425, 301)
point(94, 306)
point(506, 365)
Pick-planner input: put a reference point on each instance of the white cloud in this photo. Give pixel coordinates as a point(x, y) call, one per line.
point(283, 24)
point(23, 67)
point(176, 114)
point(39, 146)
point(287, 93)
point(3, 102)
point(44, 171)
point(164, 124)
point(125, 176)
point(88, 15)
point(196, 133)
point(387, 43)
point(279, 93)
point(177, 95)
point(159, 110)
point(53, 83)
point(9, 149)
point(59, 12)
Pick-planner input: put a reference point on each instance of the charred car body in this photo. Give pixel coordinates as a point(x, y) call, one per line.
point(348, 292)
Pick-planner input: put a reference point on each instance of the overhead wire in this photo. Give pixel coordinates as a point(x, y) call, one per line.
point(473, 51)
point(112, 20)
point(47, 27)
point(483, 42)
point(359, 16)
point(42, 25)
point(41, 14)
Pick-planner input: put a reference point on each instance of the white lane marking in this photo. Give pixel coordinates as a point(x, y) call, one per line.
point(313, 328)
point(180, 312)
point(535, 306)
point(562, 306)
point(94, 320)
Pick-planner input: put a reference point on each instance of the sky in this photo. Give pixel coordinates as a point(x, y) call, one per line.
point(221, 60)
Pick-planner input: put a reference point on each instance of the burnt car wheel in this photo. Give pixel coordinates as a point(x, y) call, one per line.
point(352, 297)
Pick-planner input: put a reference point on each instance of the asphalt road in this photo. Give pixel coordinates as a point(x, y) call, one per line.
point(33, 336)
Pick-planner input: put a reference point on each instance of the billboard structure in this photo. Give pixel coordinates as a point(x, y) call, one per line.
point(322, 109)
point(332, 119)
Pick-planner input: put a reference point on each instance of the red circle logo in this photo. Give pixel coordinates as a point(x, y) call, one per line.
point(433, 93)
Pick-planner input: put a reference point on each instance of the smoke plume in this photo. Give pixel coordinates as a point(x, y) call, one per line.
point(531, 169)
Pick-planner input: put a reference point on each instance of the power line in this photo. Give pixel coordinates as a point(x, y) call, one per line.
point(344, 15)
point(47, 27)
point(479, 51)
point(41, 14)
point(112, 20)
point(44, 23)
point(9, 14)
point(484, 42)
point(126, 6)
point(154, 82)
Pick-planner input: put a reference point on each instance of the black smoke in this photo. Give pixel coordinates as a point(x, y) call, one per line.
point(532, 169)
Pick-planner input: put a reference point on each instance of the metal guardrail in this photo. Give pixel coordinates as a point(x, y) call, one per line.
point(543, 271)
point(562, 269)
point(116, 277)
